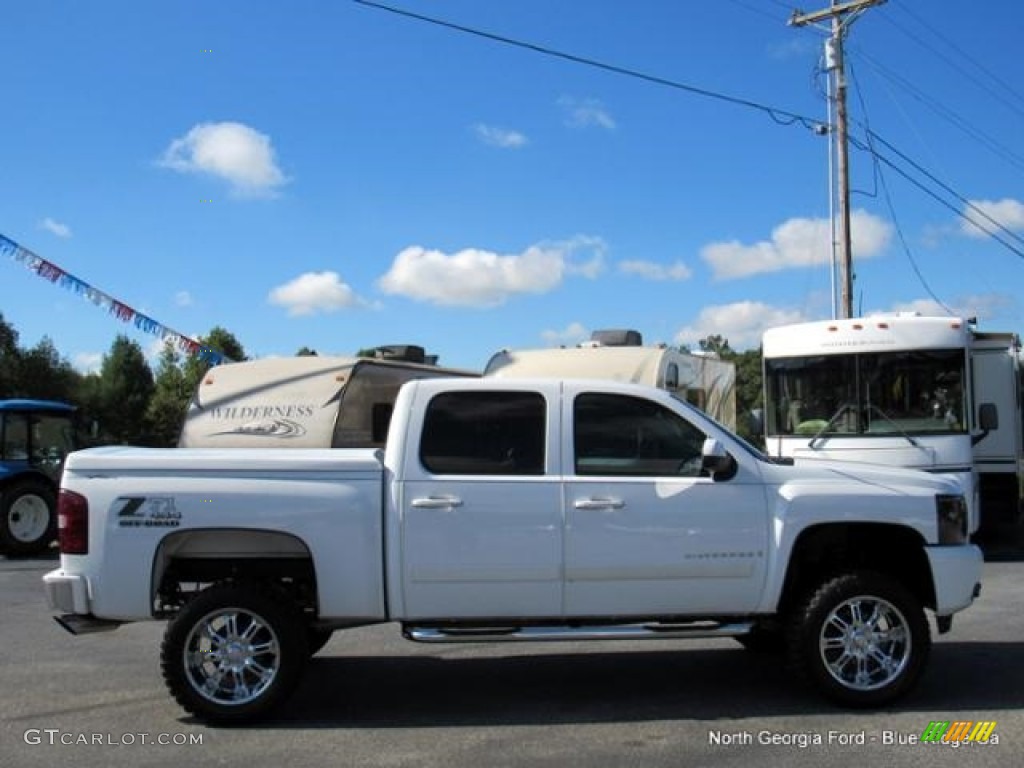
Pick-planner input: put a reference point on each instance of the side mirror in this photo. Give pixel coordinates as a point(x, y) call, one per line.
point(716, 461)
point(988, 419)
point(755, 420)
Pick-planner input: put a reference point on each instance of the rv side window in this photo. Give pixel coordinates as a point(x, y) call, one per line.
point(672, 377)
point(380, 416)
point(484, 433)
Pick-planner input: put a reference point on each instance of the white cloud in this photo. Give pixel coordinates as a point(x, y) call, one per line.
point(980, 306)
point(742, 323)
point(477, 278)
point(314, 292)
point(1008, 213)
point(240, 155)
point(795, 243)
point(183, 299)
point(586, 113)
point(650, 270)
point(62, 231)
point(502, 138)
point(569, 336)
point(88, 362)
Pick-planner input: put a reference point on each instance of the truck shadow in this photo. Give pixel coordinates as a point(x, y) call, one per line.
point(629, 686)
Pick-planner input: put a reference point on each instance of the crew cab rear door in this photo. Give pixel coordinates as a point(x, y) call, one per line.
point(481, 514)
point(647, 532)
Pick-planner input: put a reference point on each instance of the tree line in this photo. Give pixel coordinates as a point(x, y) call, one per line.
point(126, 401)
point(129, 402)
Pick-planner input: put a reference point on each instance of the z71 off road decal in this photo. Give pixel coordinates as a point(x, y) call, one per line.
point(146, 512)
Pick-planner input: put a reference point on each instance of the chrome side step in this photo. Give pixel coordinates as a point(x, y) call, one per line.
point(647, 631)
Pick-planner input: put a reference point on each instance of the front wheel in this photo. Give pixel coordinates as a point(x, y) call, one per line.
point(233, 653)
point(861, 639)
point(28, 518)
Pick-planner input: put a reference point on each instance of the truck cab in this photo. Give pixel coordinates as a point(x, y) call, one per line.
point(35, 436)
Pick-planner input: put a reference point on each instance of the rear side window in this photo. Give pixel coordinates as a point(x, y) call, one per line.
point(484, 433)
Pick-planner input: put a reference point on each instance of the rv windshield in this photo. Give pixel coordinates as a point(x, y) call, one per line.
point(898, 393)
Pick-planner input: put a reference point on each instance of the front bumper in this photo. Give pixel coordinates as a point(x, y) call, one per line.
point(956, 573)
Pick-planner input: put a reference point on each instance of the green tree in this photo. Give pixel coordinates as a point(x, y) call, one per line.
point(219, 340)
point(749, 391)
point(166, 409)
point(125, 388)
point(748, 380)
point(10, 359)
point(44, 374)
point(305, 352)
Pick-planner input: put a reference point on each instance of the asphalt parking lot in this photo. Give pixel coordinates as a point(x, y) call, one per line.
point(373, 699)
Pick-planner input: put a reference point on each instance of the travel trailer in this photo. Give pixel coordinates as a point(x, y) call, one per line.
point(303, 402)
point(704, 381)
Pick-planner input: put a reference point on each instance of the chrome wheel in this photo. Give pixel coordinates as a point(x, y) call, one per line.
point(28, 518)
point(865, 643)
point(232, 656)
point(861, 638)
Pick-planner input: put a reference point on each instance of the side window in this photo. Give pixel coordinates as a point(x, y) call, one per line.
point(484, 433)
point(15, 437)
point(620, 435)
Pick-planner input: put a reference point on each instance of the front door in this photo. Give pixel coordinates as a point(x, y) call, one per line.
point(647, 532)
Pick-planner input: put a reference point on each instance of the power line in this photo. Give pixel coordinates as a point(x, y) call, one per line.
point(781, 116)
point(948, 114)
point(880, 180)
point(866, 147)
point(875, 137)
point(967, 57)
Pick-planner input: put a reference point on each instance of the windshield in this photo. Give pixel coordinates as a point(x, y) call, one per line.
point(902, 393)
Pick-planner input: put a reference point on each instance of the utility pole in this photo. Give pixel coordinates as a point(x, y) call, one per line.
point(841, 15)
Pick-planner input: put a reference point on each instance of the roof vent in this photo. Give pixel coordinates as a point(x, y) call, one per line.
point(617, 338)
point(408, 353)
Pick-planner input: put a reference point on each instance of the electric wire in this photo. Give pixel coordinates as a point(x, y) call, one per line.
point(879, 178)
point(780, 116)
point(783, 117)
point(978, 66)
point(945, 112)
point(864, 147)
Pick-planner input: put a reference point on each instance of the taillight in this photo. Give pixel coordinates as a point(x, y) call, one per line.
point(73, 523)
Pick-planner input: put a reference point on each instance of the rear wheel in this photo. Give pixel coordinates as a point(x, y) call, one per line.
point(28, 518)
point(234, 653)
point(861, 639)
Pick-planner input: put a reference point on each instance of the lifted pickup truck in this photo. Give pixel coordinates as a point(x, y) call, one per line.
point(511, 510)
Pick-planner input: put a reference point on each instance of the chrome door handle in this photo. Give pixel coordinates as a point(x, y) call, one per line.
point(599, 503)
point(437, 502)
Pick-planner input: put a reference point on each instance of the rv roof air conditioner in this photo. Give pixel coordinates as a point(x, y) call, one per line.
point(616, 338)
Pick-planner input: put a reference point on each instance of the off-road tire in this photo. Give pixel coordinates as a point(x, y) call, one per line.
point(861, 639)
point(234, 653)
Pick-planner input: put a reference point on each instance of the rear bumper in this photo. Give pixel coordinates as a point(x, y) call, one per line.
point(67, 592)
point(956, 573)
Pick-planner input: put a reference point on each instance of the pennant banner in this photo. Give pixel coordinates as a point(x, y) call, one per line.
point(54, 274)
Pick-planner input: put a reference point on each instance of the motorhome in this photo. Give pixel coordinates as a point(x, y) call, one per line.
point(620, 355)
point(934, 393)
point(304, 402)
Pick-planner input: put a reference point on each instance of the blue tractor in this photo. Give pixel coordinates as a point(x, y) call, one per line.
point(35, 436)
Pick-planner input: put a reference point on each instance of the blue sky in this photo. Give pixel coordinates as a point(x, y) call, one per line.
point(337, 176)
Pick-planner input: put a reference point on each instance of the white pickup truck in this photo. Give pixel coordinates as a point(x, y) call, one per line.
point(511, 510)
